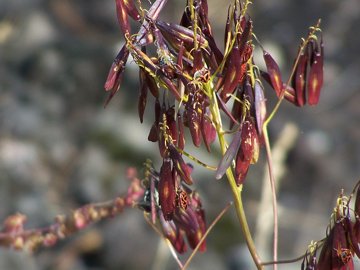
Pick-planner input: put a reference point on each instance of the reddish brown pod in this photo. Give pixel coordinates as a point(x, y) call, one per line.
point(166, 190)
point(274, 73)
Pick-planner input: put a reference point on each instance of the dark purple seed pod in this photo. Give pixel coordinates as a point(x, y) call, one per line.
point(300, 80)
point(208, 130)
point(194, 126)
point(241, 167)
point(171, 123)
point(233, 73)
point(122, 16)
point(172, 233)
point(176, 33)
point(182, 168)
point(131, 9)
point(116, 70)
point(143, 94)
point(181, 138)
point(316, 77)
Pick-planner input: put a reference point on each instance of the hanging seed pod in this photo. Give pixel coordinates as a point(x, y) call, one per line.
point(154, 131)
point(300, 80)
point(208, 131)
point(316, 76)
point(241, 167)
point(166, 190)
point(182, 168)
point(246, 154)
point(274, 73)
point(172, 233)
point(233, 73)
point(171, 123)
point(131, 9)
point(114, 78)
point(122, 16)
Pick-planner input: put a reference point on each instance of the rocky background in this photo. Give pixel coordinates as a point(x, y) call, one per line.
point(59, 147)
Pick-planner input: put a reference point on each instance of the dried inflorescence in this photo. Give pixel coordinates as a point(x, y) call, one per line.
point(191, 80)
point(342, 240)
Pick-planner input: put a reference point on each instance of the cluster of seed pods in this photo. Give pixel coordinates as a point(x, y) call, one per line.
point(189, 77)
point(179, 214)
point(342, 240)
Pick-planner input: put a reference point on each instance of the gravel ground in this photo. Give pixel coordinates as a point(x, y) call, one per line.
point(59, 148)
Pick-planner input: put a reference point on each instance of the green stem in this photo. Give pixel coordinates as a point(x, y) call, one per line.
point(236, 191)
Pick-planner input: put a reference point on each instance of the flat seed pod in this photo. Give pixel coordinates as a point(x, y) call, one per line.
point(166, 190)
point(274, 73)
point(300, 80)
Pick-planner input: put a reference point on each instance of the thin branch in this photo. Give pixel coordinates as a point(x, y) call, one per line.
point(15, 236)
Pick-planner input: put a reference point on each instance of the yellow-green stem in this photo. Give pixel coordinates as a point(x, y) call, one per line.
point(236, 191)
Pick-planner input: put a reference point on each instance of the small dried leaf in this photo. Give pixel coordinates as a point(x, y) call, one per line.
point(260, 106)
point(229, 155)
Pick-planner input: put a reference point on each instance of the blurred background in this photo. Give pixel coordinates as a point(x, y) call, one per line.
point(59, 147)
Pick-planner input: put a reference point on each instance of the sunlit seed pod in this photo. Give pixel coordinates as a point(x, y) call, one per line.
point(236, 110)
point(117, 68)
point(166, 189)
point(274, 73)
